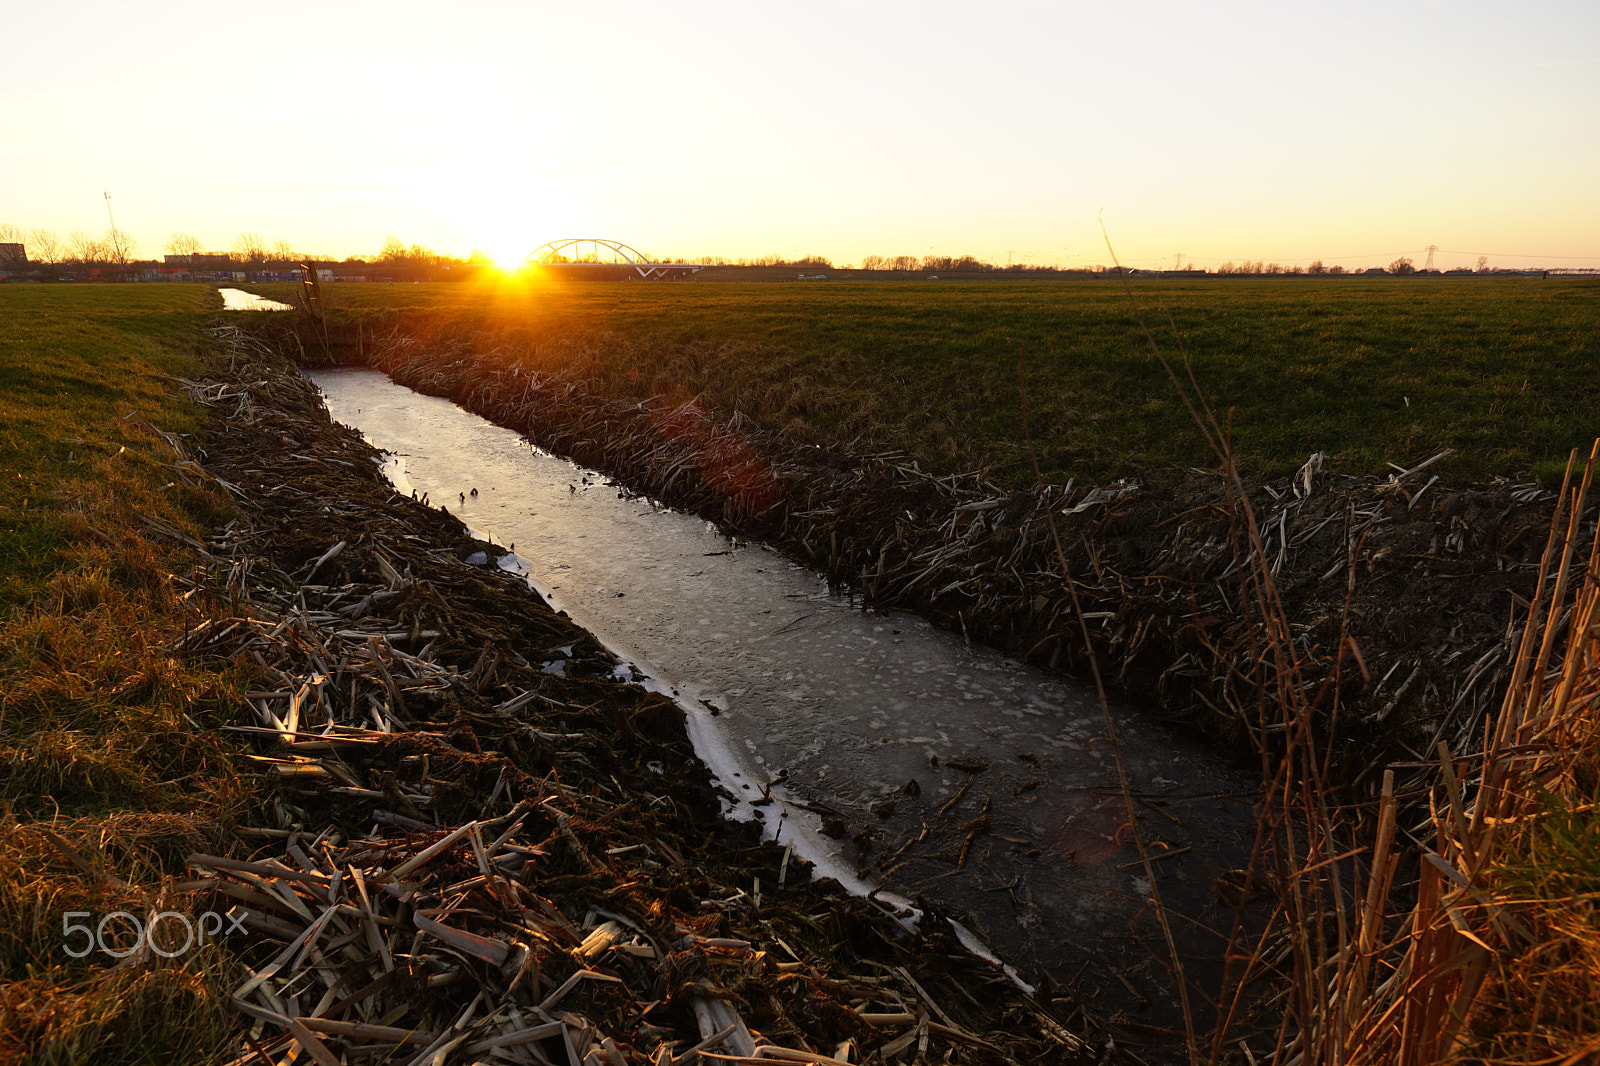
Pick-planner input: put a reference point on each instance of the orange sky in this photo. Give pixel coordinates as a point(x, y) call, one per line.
point(1349, 132)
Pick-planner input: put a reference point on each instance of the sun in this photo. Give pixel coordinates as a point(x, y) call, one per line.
point(508, 257)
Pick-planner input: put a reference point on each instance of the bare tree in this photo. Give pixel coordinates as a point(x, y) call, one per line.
point(46, 246)
point(83, 248)
point(1483, 264)
point(184, 244)
point(249, 247)
point(118, 246)
point(12, 259)
point(1402, 266)
point(284, 251)
point(398, 252)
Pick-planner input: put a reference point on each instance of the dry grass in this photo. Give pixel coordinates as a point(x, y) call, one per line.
point(1497, 956)
point(107, 777)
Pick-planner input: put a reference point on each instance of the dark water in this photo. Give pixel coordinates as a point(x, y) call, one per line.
point(877, 720)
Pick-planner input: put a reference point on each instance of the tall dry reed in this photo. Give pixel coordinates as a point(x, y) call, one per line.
point(1359, 977)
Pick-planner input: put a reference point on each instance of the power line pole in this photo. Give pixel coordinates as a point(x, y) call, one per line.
point(109, 215)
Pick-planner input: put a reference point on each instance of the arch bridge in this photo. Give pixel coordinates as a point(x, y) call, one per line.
point(589, 253)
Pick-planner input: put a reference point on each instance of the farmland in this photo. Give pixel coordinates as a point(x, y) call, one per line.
point(1370, 370)
point(115, 770)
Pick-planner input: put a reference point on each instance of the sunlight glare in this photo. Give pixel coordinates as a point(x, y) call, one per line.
point(508, 256)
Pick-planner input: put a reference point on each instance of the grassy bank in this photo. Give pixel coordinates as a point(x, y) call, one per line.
point(110, 777)
point(1369, 370)
point(105, 782)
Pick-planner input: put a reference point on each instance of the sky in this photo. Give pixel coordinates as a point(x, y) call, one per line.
point(1347, 131)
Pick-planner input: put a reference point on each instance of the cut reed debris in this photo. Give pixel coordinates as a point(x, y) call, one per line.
point(1397, 575)
point(1488, 961)
point(470, 858)
point(1495, 964)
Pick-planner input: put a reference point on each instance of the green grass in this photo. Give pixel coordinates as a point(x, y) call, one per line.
point(1371, 370)
point(74, 360)
point(96, 740)
point(98, 737)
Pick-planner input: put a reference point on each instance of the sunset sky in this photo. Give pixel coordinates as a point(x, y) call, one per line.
point(1352, 131)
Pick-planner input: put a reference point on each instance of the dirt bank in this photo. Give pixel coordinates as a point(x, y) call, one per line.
point(476, 851)
point(1399, 590)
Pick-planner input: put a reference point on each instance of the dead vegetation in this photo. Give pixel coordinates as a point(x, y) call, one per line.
point(1372, 962)
point(473, 857)
point(1465, 935)
point(1410, 581)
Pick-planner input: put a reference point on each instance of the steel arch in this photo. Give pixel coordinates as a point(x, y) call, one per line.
point(556, 252)
point(570, 252)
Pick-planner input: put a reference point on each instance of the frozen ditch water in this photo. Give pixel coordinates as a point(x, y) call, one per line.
point(876, 723)
point(239, 300)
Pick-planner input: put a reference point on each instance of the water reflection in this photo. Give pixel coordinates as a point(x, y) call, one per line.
point(239, 300)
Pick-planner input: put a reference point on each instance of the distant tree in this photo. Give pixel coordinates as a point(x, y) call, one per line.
point(1316, 268)
point(393, 250)
point(10, 234)
point(1336, 269)
point(183, 244)
point(284, 252)
point(45, 245)
point(1402, 266)
point(118, 246)
point(1483, 264)
point(83, 248)
point(12, 259)
point(249, 248)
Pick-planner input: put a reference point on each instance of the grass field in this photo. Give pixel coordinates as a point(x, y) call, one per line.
point(1371, 370)
point(105, 783)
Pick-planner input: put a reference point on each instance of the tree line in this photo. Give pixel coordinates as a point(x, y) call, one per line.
point(115, 247)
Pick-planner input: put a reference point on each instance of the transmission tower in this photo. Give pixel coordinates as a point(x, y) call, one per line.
point(1430, 250)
